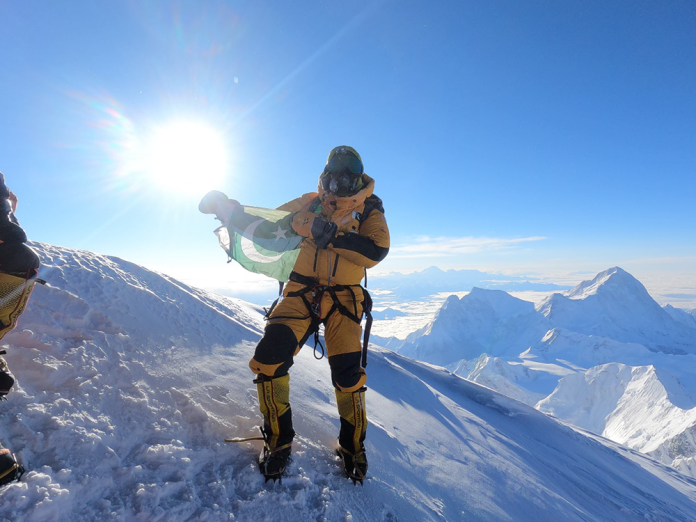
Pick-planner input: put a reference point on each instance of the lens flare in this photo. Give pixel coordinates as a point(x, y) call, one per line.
point(185, 156)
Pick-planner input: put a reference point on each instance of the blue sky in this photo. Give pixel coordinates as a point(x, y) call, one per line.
point(530, 137)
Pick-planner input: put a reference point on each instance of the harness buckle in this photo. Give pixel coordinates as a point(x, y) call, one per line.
point(317, 294)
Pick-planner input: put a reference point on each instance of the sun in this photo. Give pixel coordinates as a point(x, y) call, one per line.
point(186, 156)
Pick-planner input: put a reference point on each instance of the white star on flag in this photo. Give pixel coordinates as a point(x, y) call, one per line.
point(280, 233)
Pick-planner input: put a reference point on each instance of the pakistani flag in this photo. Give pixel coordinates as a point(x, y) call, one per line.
point(262, 240)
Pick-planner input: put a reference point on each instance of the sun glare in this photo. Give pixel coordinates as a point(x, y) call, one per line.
point(187, 156)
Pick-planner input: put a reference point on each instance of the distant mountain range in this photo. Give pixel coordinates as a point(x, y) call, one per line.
point(434, 280)
point(603, 356)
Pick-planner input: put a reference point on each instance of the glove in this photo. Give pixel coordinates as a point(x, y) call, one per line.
point(6, 379)
point(323, 232)
point(216, 202)
point(308, 224)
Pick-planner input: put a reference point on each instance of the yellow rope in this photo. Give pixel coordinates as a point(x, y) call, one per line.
point(243, 439)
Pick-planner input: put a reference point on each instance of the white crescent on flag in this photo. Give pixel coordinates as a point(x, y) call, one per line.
point(249, 249)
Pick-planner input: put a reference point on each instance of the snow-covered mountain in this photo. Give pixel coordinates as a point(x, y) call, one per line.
point(525, 352)
point(613, 305)
point(616, 305)
point(484, 321)
point(688, 317)
point(128, 382)
point(629, 405)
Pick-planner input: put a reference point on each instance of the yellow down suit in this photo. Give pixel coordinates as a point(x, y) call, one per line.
point(323, 288)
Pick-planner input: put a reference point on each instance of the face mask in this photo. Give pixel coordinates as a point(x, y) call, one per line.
point(342, 175)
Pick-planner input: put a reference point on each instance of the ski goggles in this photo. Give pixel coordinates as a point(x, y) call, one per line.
point(345, 161)
point(342, 175)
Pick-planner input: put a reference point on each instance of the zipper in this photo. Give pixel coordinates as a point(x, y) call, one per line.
point(328, 267)
point(335, 266)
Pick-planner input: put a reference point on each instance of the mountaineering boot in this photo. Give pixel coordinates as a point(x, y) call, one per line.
point(351, 448)
point(354, 464)
point(272, 462)
point(10, 469)
point(274, 403)
point(216, 202)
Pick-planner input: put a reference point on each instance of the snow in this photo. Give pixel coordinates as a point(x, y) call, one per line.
point(687, 317)
point(128, 381)
point(615, 305)
point(484, 321)
point(629, 405)
point(564, 353)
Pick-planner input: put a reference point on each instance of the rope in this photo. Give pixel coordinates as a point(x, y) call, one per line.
point(243, 439)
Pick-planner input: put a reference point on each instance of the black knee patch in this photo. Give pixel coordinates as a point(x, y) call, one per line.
point(345, 369)
point(277, 346)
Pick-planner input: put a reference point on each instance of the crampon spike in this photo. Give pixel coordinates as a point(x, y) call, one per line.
point(279, 478)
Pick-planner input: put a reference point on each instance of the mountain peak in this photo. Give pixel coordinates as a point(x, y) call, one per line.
point(502, 304)
point(615, 278)
point(432, 270)
point(616, 305)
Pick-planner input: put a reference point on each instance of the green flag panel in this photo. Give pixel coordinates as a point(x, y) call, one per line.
point(262, 240)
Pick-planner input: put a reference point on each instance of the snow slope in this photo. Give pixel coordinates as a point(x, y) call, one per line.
point(128, 382)
point(688, 317)
point(629, 405)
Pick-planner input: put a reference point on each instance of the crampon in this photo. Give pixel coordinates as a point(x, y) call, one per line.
point(272, 462)
point(354, 465)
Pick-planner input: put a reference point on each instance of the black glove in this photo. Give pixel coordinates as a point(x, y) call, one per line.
point(216, 202)
point(6, 379)
point(323, 232)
